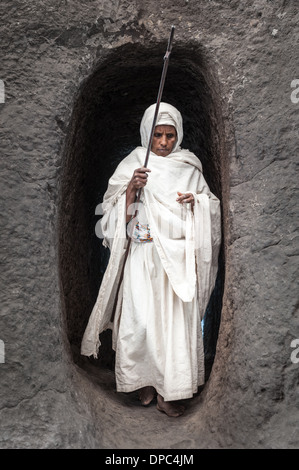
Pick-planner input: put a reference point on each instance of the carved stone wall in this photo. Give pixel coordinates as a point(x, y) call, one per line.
point(77, 78)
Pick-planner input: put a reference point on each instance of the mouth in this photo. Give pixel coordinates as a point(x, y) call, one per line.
point(162, 152)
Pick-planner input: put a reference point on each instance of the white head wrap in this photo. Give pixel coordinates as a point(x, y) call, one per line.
point(168, 116)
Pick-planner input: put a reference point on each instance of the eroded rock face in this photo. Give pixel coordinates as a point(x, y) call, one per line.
point(77, 79)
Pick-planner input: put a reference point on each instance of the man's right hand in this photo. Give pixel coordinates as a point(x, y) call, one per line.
point(138, 181)
point(139, 178)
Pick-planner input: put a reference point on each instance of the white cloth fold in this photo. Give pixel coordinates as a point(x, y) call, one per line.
point(188, 244)
point(159, 338)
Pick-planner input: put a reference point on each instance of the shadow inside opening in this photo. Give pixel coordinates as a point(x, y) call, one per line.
point(104, 128)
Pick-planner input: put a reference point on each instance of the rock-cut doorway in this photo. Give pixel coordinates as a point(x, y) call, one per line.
point(104, 128)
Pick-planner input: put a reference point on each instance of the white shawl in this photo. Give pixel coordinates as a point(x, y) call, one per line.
point(187, 242)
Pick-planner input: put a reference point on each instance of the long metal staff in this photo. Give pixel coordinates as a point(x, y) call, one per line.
point(159, 97)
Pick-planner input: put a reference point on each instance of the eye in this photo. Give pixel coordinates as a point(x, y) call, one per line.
point(157, 135)
point(170, 136)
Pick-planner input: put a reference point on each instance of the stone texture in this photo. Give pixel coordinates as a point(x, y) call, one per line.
point(245, 57)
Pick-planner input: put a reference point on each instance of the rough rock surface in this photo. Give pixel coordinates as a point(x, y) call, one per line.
point(51, 52)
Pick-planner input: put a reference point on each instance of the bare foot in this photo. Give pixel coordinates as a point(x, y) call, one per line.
point(146, 395)
point(171, 408)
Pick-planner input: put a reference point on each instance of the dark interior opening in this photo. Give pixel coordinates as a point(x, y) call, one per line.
point(104, 128)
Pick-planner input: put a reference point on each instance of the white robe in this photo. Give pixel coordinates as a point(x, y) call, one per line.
point(167, 282)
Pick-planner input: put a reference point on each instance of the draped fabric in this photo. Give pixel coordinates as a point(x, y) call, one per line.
point(173, 275)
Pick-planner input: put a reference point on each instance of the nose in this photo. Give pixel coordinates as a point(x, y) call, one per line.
point(163, 141)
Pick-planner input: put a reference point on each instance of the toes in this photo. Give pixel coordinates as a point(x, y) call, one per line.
point(171, 410)
point(146, 395)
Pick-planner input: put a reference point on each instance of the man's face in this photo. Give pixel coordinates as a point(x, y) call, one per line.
point(163, 140)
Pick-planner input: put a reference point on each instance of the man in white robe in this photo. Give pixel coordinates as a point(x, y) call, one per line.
point(170, 270)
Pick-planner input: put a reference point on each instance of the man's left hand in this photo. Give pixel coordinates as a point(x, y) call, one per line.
point(185, 197)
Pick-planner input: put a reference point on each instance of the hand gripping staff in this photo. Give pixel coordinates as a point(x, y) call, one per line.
point(159, 97)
